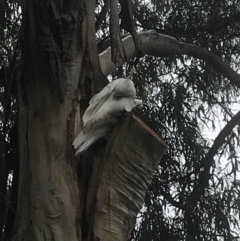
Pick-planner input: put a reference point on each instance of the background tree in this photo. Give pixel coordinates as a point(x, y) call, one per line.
point(192, 196)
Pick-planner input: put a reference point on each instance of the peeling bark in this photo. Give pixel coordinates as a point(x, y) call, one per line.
point(160, 45)
point(121, 176)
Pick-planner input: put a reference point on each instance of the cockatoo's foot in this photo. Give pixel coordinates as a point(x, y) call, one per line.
point(122, 116)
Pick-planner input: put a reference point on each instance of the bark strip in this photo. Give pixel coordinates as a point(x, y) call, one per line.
point(131, 156)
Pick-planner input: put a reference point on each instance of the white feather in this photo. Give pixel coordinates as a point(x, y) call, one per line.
point(104, 110)
point(84, 140)
point(116, 89)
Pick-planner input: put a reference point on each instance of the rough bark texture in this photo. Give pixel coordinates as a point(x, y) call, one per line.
point(48, 201)
point(49, 198)
point(122, 177)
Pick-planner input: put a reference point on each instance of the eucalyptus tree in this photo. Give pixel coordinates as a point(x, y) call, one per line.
point(186, 55)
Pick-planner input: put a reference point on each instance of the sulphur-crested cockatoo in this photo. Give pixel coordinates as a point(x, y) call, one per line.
point(104, 110)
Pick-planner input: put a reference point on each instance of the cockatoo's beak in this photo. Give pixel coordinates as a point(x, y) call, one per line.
point(138, 104)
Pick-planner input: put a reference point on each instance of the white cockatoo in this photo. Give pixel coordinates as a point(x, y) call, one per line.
point(104, 110)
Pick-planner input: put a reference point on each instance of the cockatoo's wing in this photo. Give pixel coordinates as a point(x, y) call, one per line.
point(99, 99)
point(98, 112)
point(117, 89)
point(110, 111)
point(85, 139)
point(79, 139)
point(105, 91)
point(106, 113)
point(103, 122)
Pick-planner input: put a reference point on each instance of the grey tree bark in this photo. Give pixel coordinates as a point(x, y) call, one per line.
point(58, 199)
point(52, 61)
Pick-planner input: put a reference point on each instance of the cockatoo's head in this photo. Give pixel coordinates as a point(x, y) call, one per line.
point(125, 88)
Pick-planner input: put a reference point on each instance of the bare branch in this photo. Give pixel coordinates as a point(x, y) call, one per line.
point(127, 20)
point(160, 45)
point(98, 78)
point(117, 48)
point(102, 15)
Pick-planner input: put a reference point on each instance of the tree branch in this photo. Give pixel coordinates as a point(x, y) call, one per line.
point(98, 78)
point(117, 48)
point(160, 45)
point(207, 162)
point(102, 15)
point(106, 42)
point(127, 20)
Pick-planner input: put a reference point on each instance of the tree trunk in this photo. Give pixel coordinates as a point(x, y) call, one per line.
point(53, 50)
point(57, 200)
